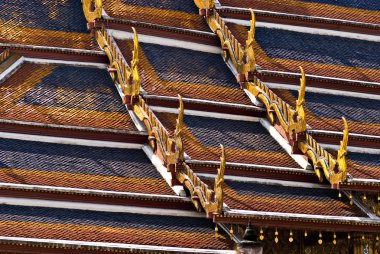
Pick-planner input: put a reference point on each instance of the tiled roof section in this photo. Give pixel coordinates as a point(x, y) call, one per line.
point(170, 71)
point(322, 55)
point(363, 165)
point(49, 164)
point(286, 199)
point(172, 13)
point(316, 48)
point(324, 111)
point(29, 36)
point(63, 95)
point(46, 15)
point(45, 23)
point(359, 11)
point(365, 5)
point(93, 226)
point(245, 142)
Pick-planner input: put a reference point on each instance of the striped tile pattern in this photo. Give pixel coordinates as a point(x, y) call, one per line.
point(112, 169)
point(128, 228)
point(320, 55)
point(245, 142)
point(63, 95)
point(324, 111)
point(170, 71)
point(171, 13)
point(352, 10)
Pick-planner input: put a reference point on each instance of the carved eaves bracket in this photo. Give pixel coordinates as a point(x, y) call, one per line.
point(205, 7)
point(211, 200)
point(127, 76)
point(92, 10)
point(335, 170)
point(280, 113)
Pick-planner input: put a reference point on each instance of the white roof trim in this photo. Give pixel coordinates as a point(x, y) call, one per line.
point(218, 103)
point(302, 216)
point(284, 144)
point(87, 191)
point(295, 15)
point(325, 78)
point(178, 189)
point(308, 30)
point(353, 149)
point(11, 69)
point(63, 62)
point(207, 114)
point(120, 246)
point(324, 91)
point(69, 141)
point(122, 35)
point(247, 165)
point(264, 181)
point(97, 207)
point(363, 180)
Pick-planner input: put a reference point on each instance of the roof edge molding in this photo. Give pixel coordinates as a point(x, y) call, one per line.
point(242, 58)
point(126, 75)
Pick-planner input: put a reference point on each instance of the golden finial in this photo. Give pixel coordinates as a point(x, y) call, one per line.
point(249, 47)
point(90, 12)
point(205, 4)
point(135, 63)
point(178, 130)
point(341, 157)
point(300, 103)
point(218, 188)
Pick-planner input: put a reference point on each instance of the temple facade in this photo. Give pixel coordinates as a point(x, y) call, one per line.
point(190, 126)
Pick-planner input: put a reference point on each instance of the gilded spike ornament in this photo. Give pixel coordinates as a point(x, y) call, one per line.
point(135, 75)
point(92, 9)
point(178, 130)
point(249, 48)
point(205, 4)
point(300, 103)
point(218, 188)
point(342, 153)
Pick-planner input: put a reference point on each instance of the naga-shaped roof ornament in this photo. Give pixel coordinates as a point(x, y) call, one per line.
point(300, 103)
point(178, 130)
point(134, 64)
point(249, 48)
point(205, 4)
point(92, 9)
point(219, 180)
point(342, 152)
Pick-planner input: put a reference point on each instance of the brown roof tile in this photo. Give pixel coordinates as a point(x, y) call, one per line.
point(60, 165)
point(178, 13)
point(63, 95)
point(367, 12)
point(92, 226)
point(170, 71)
point(245, 142)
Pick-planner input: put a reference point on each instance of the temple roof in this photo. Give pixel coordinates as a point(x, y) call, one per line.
point(170, 126)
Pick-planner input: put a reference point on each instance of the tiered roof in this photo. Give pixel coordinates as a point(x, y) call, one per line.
point(111, 139)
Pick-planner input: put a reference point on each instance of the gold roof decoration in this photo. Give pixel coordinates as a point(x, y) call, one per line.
point(342, 152)
point(249, 48)
point(218, 187)
point(92, 9)
point(205, 4)
point(178, 130)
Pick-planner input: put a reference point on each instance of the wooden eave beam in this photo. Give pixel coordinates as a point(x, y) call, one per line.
point(319, 82)
point(367, 187)
point(207, 38)
point(299, 224)
point(301, 20)
point(64, 54)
